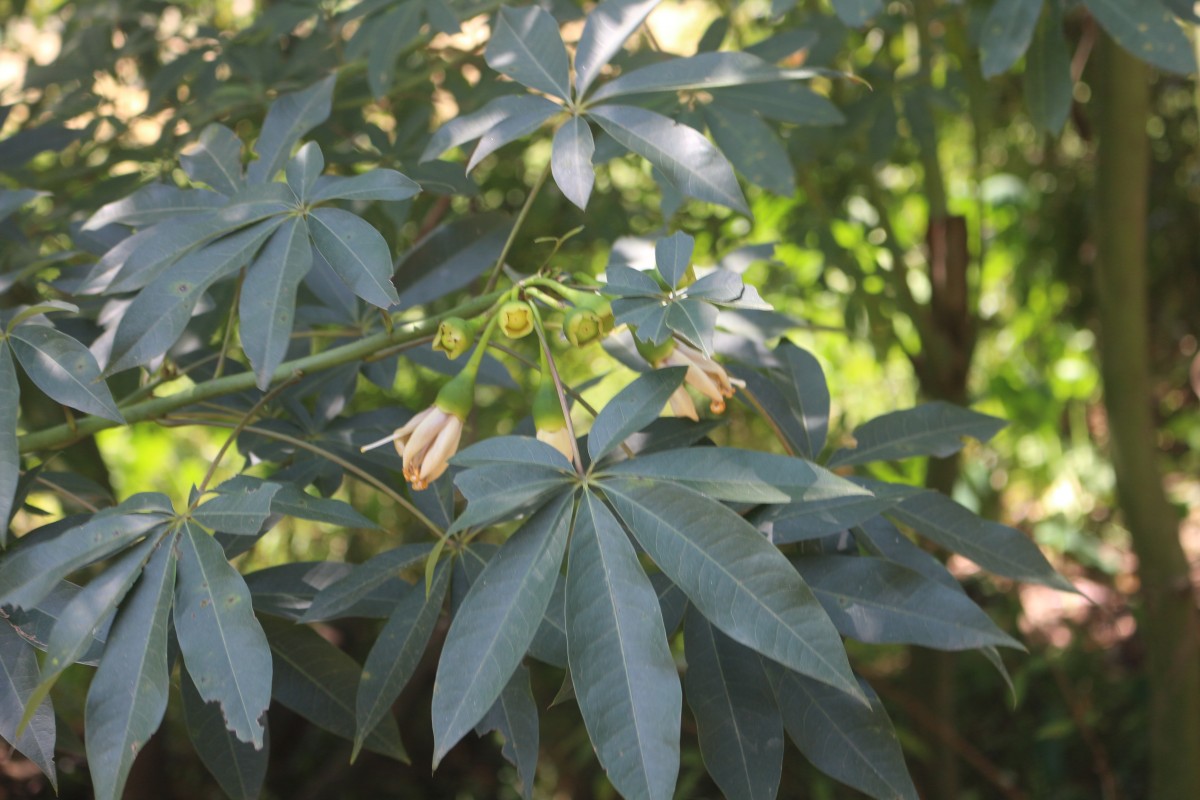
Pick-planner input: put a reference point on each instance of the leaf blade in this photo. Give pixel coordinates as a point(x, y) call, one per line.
point(64, 369)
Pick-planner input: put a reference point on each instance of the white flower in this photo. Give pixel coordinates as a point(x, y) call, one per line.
point(704, 375)
point(560, 440)
point(425, 443)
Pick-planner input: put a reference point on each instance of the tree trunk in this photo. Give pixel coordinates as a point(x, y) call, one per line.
point(1169, 614)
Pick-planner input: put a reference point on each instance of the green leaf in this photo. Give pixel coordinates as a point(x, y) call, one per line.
point(357, 252)
point(876, 601)
point(318, 681)
point(215, 159)
point(160, 313)
point(343, 593)
point(688, 160)
point(527, 47)
point(549, 644)
point(128, 695)
point(239, 767)
point(795, 400)
point(451, 257)
point(64, 369)
point(1006, 34)
point(848, 741)
point(31, 571)
point(783, 101)
point(10, 459)
point(673, 256)
point(12, 199)
point(154, 202)
point(290, 117)
point(740, 476)
point(857, 13)
point(44, 307)
point(1048, 84)
point(737, 720)
point(621, 667)
point(694, 321)
point(497, 492)
point(733, 576)
point(18, 679)
point(378, 184)
point(238, 512)
point(515, 716)
point(930, 429)
point(571, 160)
point(511, 129)
point(512, 451)
point(267, 309)
point(995, 547)
point(223, 645)
point(304, 169)
point(35, 624)
point(634, 407)
point(608, 26)
point(496, 622)
point(1147, 30)
point(397, 651)
point(388, 34)
point(753, 149)
point(811, 520)
point(702, 71)
point(463, 129)
point(294, 502)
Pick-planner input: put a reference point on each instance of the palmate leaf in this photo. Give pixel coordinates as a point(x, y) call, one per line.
point(223, 646)
point(495, 492)
point(527, 47)
point(795, 399)
point(238, 512)
point(741, 476)
point(796, 522)
point(515, 717)
point(451, 257)
point(571, 160)
point(876, 601)
point(494, 625)
point(10, 459)
point(673, 256)
point(1146, 29)
point(288, 590)
point(378, 184)
point(267, 309)
point(128, 695)
point(318, 681)
point(692, 164)
point(994, 546)
point(511, 129)
point(621, 667)
point(397, 651)
point(215, 159)
point(788, 101)
point(733, 576)
point(35, 624)
point(930, 429)
point(290, 117)
point(549, 644)
point(737, 719)
point(153, 203)
point(1006, 34)
point(238, 766)
point(304, 169)
point(18, 678)
point(608, 26)
point(64, 369)
point(468, 127)
point(365, 578)
point(634, 407)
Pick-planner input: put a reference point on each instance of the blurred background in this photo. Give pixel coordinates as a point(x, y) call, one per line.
point(946, 236)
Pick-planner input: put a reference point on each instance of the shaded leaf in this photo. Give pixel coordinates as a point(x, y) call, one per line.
point(1047, 82)
point(466, 127)
point(64, 369)
point(290, 117)
point(238, 512)
point(267, 309)
point(688, 160)
point(515, 717)
point(702, 71)
point(18, 678)
point(1006, 34)
point(451, 257)
point(239, 768)
point(608, 25)
point(496, 492)
point(357, 252)
point(318, 681)
point(753, 149)
point(10, 459)
point(930, 429)
point(673, 256)
point(343, 593)
point(215, 159)
point(811, 520)
point(857, 13)
point(397, 651)
point(512, 450)
point(571, 160)
point(634, 407)
point(737, 720)
point(378, 184)
point(621, 667)
point(304, 169)
point(154, 202)
point(1147, 30)
point(128, 695)
point(733, 576)
point(511, 129)
point(786, 102)
point(527, 47)
point(995, 547)
point(494, 625)
point(223, 645)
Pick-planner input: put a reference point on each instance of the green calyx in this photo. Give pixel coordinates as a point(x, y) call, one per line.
point(583, 326)
point(454, 337)
point(654, 353)
point(516, 319)
point(458, 396)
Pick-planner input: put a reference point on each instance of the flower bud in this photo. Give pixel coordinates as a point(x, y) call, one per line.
point(516, 319)
point(454, 337)
point(548, 417)
point(654, 354)
point(583, 326)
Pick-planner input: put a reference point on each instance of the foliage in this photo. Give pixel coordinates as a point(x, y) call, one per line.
point(243, 276)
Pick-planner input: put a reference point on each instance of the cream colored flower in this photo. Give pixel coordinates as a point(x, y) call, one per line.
point(559, 439)
point(682, 405)
point(425, 443)
point(704, 375)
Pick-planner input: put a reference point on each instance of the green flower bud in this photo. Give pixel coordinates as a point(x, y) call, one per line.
point(516, 319)
point(583, 326)
point(654, 353)
point(454, 337)
point(458, 396)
